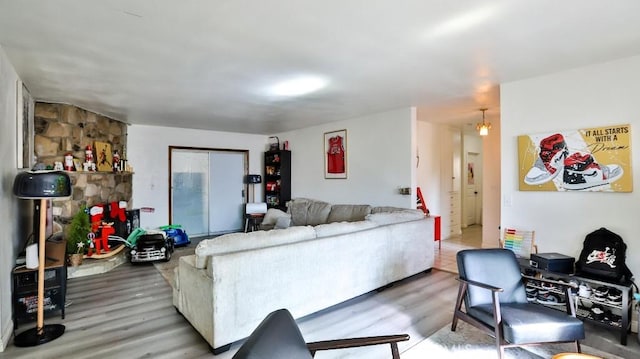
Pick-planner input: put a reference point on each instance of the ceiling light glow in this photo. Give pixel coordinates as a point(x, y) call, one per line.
point(298, 86)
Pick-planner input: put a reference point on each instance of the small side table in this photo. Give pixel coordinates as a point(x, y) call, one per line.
point(252, 222)
point(25, 289)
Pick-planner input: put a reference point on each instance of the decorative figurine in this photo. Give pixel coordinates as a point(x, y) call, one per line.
point(57, 166)
point(68, 162)
point(116, 161)
point(89, 165)
point(88, 154)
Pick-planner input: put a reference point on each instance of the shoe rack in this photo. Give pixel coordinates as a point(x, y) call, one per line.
point(605, 304)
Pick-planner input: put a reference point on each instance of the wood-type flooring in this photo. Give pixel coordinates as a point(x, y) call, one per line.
point(128, 313)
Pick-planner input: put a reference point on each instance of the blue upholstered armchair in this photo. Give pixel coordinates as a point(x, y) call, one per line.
point(493, 292)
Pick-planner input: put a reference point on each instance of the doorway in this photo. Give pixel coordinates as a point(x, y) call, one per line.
point(472, 190)
point(207, 190)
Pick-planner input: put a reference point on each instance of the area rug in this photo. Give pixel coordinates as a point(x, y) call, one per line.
point(166, 269)
point(469, 342)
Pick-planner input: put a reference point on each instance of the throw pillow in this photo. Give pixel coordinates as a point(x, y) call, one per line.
point(283, 222)
point(272, 216)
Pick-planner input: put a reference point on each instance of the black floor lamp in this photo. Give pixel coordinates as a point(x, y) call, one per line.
point(41, 185)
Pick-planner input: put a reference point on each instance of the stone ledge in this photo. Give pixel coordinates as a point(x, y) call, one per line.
point(91, 266)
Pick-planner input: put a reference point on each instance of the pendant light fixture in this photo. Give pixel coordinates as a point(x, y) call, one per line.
point(484, 127)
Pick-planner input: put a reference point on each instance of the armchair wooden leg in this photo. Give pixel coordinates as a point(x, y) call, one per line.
point(395, 354)
point(462, 289)
point(578, 347)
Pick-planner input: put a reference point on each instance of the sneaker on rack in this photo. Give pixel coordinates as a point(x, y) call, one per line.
point(550, 161)
point(582, 172)
point(597, 312)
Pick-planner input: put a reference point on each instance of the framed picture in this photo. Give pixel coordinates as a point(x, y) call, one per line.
point(335, 154)
point(104, 157)
point(77, 164)
point(24, 127)
point(594, 159)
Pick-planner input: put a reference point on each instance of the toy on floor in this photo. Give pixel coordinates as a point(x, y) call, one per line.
point(152, 246)
point(102, 242)
point(177, 233)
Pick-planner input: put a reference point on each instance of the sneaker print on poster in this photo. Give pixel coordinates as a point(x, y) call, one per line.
point(593, 159)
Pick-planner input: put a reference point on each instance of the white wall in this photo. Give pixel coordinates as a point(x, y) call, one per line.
point(491, 185)
point(148, 153)
point(598, 95)
point(381, 158)
point(429, 151)
point(8, 203)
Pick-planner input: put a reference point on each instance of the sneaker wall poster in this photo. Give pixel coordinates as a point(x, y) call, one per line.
point(592, 159)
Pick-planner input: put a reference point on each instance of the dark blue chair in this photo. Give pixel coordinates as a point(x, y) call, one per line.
point(278, 336)
point(492, 289)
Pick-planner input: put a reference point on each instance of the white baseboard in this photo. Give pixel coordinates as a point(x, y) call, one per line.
point(6, 334)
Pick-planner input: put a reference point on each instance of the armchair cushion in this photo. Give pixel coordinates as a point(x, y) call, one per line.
point(531, 323)
point(483, 266)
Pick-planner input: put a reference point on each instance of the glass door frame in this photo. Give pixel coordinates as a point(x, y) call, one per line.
point(207, 150)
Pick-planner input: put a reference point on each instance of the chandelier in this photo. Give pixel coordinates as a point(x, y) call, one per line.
point(484, 127)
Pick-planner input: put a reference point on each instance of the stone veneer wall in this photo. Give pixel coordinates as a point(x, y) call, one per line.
point(60, 129)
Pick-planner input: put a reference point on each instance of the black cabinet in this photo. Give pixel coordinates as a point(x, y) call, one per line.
point(596, 305)
point(25, 286)
point(277, 178)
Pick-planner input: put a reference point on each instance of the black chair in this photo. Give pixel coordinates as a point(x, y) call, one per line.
point(493, 291)
point(278, 336)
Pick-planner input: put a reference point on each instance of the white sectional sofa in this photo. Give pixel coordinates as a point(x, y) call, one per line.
point(330, 254)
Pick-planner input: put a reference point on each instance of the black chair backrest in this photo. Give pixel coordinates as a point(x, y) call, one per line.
point(496, 267)
point(278, 336)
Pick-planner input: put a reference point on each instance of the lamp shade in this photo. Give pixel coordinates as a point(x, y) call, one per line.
point(42, 184)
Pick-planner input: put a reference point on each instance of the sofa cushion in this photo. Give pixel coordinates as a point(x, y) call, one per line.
point(234, 242)
point(405, 215)
point(348, 212)
point(298, 208)
point(306, 211)
point(335, 228)
point(318, 213)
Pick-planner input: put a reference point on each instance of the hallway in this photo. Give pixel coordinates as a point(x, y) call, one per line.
point(445, 257)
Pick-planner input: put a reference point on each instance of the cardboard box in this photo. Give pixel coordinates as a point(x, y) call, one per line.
point(552, 262)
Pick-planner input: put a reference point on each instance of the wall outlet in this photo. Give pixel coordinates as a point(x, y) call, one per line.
point(507, 200)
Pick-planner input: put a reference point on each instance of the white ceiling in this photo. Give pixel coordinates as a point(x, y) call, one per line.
point(207, 64)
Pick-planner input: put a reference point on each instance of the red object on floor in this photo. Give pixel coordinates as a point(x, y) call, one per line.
point(436, 230)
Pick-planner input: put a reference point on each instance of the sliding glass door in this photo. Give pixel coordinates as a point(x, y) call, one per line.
point(207, 190)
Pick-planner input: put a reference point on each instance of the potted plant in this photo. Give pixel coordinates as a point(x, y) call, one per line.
point(77, 240)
